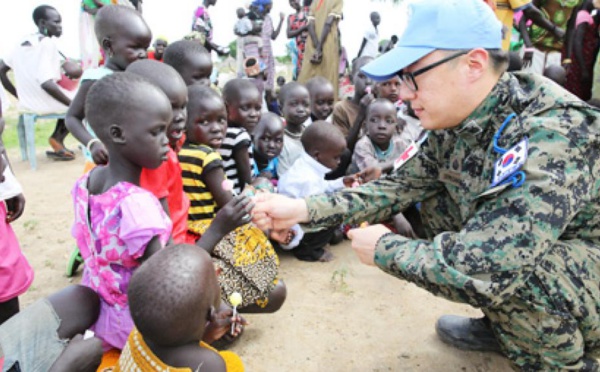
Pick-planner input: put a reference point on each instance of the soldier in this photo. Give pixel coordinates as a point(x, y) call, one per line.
point(508, 180)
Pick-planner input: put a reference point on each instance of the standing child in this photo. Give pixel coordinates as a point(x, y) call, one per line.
point(160, 44)
point(174, 299)
point(15, 273)
point(243, 102)
point(124, 37)
point(191, 60)
point(323, 149)
point(294, 101)
point(322, 98)
point(246, 257)
point(165, 181)
point(267, 144)
point(118, 224)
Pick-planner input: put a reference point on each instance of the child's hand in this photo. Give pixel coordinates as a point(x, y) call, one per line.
point(367, 99)
point(220, 325)
point(369, 174)
point(99, 153)
point(234, 214)
point(351, 181)
point(14, 208)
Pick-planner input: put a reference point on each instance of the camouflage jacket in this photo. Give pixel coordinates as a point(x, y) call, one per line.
point(491, 240)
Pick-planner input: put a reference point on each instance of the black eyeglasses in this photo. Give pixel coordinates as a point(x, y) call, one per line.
point(408, 78)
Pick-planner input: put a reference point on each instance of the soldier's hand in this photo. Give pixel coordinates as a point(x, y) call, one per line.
point(364, 241)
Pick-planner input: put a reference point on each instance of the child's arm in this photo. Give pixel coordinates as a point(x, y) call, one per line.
point(242, 163)
point(213, 179)
point(154, 245)
point(74, 122)
point(293, 33)
point(231, 216)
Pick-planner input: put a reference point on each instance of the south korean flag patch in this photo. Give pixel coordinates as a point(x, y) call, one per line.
point(510, 162)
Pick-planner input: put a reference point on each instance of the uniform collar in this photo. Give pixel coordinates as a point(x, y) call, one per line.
point(488, 115)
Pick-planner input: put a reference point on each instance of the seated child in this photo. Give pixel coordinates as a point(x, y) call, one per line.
point(191, 60)
point(267, 144)
point(322, 98)
point(349, 114)
point(15, 273)
point(243, 103)
point(382, 144)
point(323, 149)
point(117, 223)
point(255, 277)
point(47, 335)
point(174, 298)
point(165, 181)
point(294, 101)
point(409, 130)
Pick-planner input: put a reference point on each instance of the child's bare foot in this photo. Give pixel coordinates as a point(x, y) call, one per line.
point(327, 257)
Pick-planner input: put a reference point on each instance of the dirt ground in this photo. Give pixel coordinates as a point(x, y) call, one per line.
point(339, 316)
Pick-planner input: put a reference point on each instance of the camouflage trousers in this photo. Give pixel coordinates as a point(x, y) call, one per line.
point(552, 323)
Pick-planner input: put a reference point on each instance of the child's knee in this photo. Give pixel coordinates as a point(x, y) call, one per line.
point(77, 307)
point(277, 296)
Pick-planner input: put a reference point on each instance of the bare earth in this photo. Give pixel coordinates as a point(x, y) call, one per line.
point(339, 316)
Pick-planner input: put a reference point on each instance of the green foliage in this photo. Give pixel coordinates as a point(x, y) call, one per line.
point(233, 49)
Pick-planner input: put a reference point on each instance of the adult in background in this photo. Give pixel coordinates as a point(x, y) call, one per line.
point(507, 178)
point(370, 42)
point(36, 63)
point(203, 25)
point(269, 33)
point(322, 53)
point(297, 29)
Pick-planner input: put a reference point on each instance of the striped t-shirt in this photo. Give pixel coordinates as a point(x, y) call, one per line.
point(236, 138)
point(194, 161)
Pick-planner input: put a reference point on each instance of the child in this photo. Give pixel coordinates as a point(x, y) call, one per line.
point(124, 37)
point(53, 338)
point(165, 181)
point(15, 273)
point(173, 299)
point(160, 44)
point(191, 60)
point(409, 130)
point(243, 104)
point(267, 144)
point(294, 101)
point(350, 114)
point(323, 149)
point(255, 277)
point(322, 98)
point(382, 144)
point(117, 224)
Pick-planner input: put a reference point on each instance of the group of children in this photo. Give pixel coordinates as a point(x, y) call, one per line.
point(174, 163)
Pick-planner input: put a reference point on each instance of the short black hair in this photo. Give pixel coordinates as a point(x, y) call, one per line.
point(110, 19)
point(177, 53)
point(287, 88)
point(315, 82)
point(39, 13)
point(111, 99)
point(158, 73)
point(196, 94)
point(167, 295)
point(231, 90)
point(498, 57)
point(320, 135)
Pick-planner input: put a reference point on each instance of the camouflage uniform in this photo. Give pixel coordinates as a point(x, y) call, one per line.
point(528, 256)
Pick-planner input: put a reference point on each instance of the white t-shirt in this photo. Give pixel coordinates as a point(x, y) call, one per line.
point(34, 62)
point(371, 48)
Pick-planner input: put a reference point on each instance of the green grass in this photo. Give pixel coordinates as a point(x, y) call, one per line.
point(43, 130)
